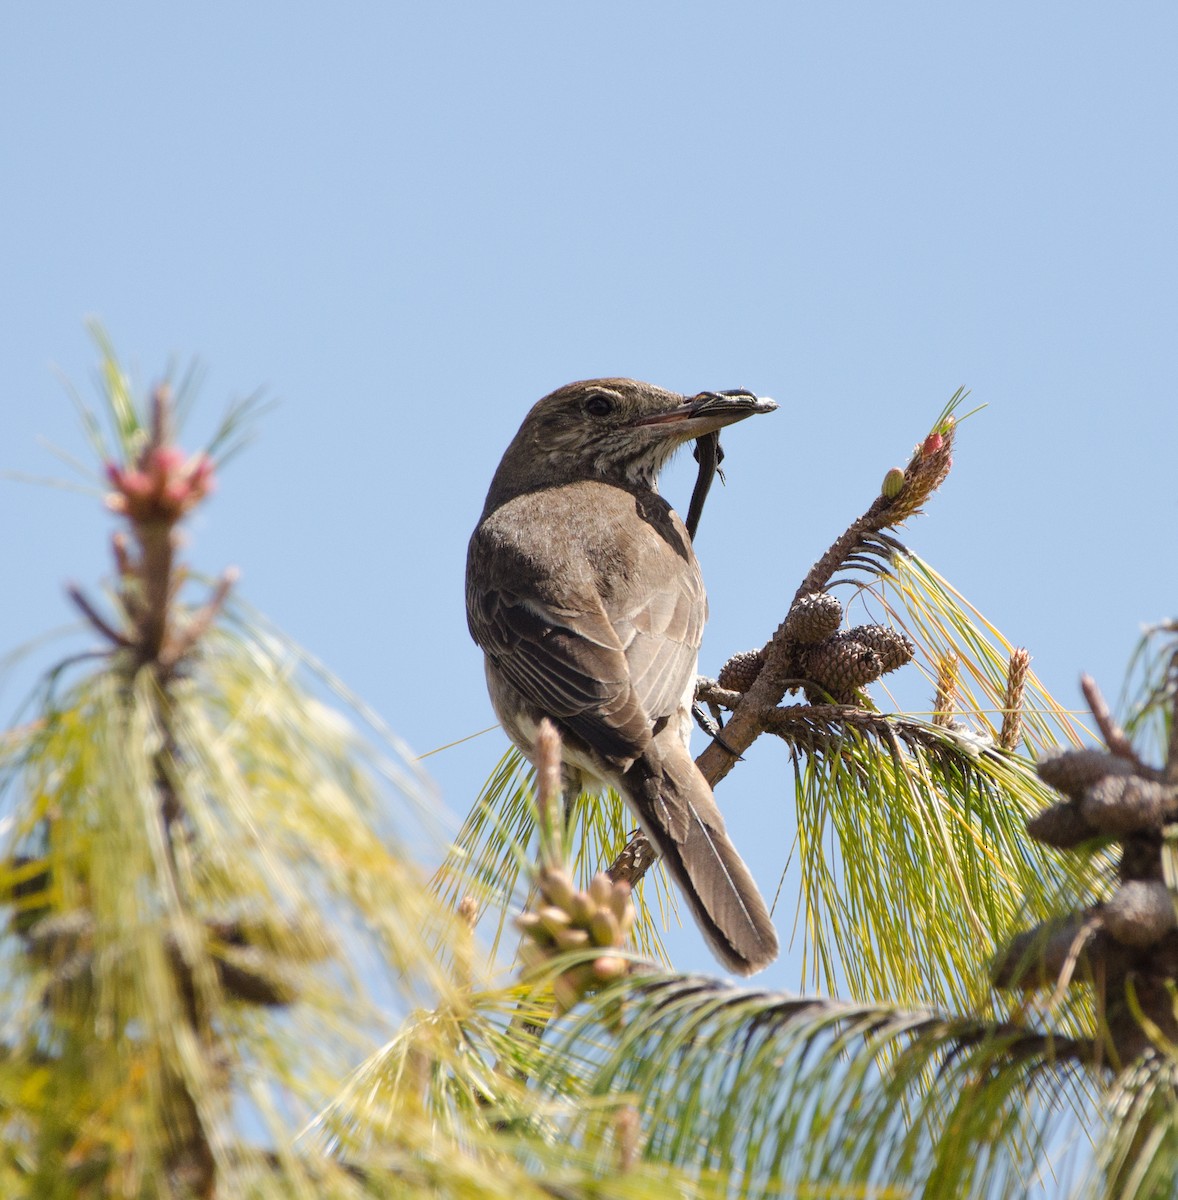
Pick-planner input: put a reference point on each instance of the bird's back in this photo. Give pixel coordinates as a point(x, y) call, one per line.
point(602, 555)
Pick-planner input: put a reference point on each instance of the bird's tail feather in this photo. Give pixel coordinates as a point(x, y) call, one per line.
point(676, 808)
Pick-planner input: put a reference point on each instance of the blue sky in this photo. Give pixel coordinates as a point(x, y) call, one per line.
point(409, 222)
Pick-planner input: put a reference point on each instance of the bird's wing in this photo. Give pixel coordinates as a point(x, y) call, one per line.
point(660, 627)
point(590, 611)
point(566, 664)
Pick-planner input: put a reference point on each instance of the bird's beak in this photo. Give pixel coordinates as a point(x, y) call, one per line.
point(708, 412)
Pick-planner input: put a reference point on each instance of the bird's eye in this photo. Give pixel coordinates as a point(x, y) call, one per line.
point(598, 405)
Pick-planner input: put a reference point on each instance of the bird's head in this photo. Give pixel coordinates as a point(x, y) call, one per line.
point(617, 430)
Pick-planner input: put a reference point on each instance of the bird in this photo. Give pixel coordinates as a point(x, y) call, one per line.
point(584, 593)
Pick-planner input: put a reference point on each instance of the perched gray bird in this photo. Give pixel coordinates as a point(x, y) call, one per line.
point(584, 593)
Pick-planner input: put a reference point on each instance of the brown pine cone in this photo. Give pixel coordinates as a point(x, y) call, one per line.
point(841, 666)
point(1121, 804)
point(1074, 771)
point(741, 670)
point(1140, 913)
point(893, 648)
point(1062, 826)
point(1035, 958)
point(813, 618)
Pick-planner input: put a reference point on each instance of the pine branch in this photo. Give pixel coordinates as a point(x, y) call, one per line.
point(861, 546)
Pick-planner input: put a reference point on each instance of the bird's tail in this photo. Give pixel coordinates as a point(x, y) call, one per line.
point(675, 806)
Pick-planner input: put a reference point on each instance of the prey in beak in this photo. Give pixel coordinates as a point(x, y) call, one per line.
point(708, 412)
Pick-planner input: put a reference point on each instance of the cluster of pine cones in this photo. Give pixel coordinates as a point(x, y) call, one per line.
point(598, 919)
point(835, 663)
point(1127, 946)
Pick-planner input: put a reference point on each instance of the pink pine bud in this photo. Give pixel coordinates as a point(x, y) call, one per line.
point(201, 479)
point(163, 487)
point(168, 459)
point(135, 485)
point(175, 497)
point(163, 464)
point(932, 444)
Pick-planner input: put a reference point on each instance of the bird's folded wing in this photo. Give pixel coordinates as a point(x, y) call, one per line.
point(596, 623)
point(567, 665)
point(660, 630)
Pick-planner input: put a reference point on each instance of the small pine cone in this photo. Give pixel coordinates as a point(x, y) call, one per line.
point(813, 618)
point(581, 909)
point(841, 666)
point(553, 919)
point(1140, 913)
point(1062, 826)
point(601, 916)
point(556, 886)
point(1120, 804)
point(604, 929)
point(893, 648)
point(893, 483)
point(1074, 771)
point(614, 915)
point(925, 472)
point(740, 672)
point(573, 939)
point(1036, 958)
point(609, 968)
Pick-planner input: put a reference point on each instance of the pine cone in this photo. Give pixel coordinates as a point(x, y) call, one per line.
point(1062, 826)
point(1140, 913)
point(1121, 804)
point(1036, 958)
point(893, 483)
point(1074, 771)
point(813, 618)
point(841, 666)
point(740, 671)
point(600, 918)
point(893, 648)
